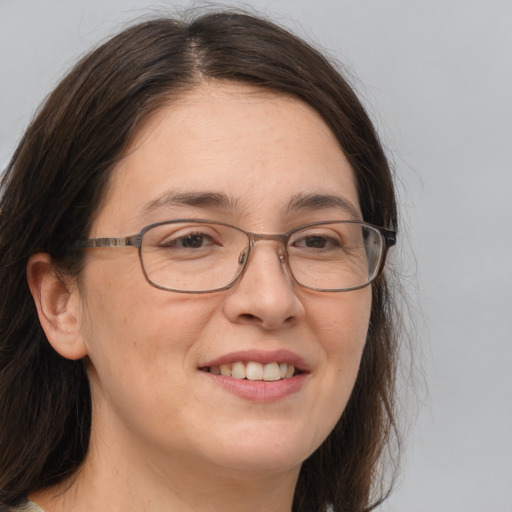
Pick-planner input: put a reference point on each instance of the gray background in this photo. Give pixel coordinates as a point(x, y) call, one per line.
point(437, 79)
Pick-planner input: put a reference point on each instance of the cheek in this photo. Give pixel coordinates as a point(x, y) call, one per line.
point(341, 322)
point(137, 334)
point(341, 325)
point(142, 343)
point(143, 330)
point(119, 301)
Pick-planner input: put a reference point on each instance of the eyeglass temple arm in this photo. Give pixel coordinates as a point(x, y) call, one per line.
point(389, 236)
point(134, 240)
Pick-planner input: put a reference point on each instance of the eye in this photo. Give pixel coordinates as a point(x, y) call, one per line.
point(194, 240)
point(317, 241)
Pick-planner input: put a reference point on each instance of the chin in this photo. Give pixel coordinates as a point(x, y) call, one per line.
point(276, 450)
point(269, 462)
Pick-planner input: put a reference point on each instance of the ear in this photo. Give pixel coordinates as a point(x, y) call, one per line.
point(57, 301)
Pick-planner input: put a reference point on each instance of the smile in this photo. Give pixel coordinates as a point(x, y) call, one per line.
point(254, 371)
point(261, 376)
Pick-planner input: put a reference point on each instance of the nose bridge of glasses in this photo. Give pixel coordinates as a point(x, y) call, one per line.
point(277, 243)
point(281, 240)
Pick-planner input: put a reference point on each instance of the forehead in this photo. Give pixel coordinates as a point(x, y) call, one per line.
point(257, 148)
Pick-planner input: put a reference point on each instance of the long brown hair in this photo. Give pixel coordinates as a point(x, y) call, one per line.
point(53, 187)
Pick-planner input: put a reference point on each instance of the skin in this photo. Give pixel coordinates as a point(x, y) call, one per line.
point(165, 436)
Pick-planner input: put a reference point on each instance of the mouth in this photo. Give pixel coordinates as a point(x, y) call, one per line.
point(254, 370)
point(258, 375)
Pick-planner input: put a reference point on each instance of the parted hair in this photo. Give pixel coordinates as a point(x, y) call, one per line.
point(54, 185)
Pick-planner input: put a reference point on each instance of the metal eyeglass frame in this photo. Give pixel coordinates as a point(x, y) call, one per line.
point(388, 236)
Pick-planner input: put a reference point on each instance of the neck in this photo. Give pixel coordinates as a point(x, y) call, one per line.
point(120, 480)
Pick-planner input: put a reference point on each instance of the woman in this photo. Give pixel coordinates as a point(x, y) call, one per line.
point(201, 213)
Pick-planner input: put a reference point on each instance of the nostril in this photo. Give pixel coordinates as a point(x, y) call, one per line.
point(249, 316)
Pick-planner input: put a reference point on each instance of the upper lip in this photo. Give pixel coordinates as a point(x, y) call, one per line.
point(259, 356)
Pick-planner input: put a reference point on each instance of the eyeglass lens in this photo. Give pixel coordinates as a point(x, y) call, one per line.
point(195, 256)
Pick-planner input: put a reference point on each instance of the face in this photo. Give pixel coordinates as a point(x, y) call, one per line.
point(154, 355)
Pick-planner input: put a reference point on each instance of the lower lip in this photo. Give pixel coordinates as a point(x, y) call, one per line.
point(260, 391)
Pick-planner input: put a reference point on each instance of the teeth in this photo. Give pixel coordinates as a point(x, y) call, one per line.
point(271, 372)
point(238, 371)
point(254, 371)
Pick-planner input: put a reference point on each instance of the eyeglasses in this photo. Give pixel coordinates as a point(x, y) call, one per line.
point(201, 256)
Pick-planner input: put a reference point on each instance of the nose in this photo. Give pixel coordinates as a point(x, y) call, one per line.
point(265, 295)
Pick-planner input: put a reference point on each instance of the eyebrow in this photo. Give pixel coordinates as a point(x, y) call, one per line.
point(220, 200)
point(197, 199)
point(322, 202)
